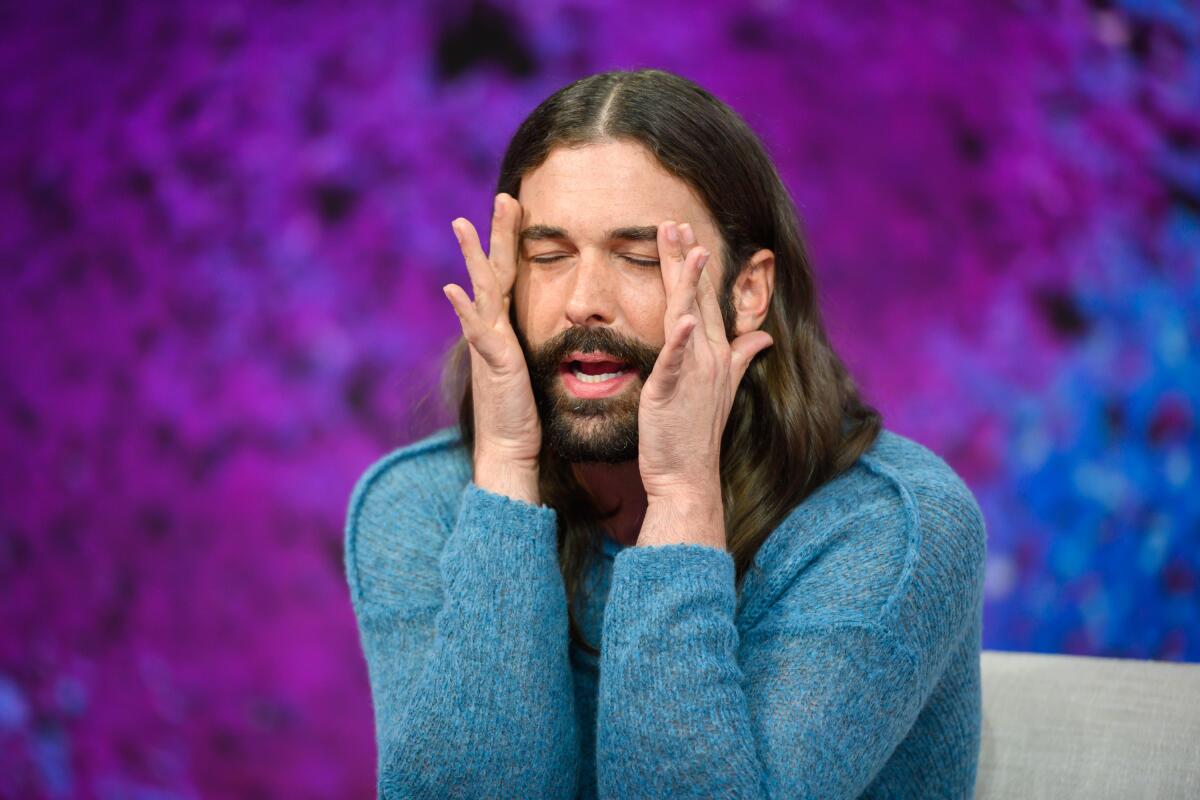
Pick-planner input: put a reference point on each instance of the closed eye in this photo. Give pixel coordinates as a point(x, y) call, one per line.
point(641, 262)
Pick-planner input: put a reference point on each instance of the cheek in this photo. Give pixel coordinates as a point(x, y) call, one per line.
point(645, 305)
point(521, 287)
point(536, 304)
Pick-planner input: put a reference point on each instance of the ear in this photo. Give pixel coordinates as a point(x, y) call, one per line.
point(752, 292)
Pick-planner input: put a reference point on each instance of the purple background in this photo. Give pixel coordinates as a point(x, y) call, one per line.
point(223, 230)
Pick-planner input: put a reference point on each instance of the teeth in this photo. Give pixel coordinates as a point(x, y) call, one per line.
point(604, 376)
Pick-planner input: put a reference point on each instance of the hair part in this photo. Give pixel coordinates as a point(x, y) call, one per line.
point(797, 419)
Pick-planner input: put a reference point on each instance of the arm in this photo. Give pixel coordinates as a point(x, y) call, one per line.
point(466, 650)
point(470, 666)
point(840, 648)
point(687, 708)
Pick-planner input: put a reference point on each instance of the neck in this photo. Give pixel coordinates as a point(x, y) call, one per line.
point(613, 484)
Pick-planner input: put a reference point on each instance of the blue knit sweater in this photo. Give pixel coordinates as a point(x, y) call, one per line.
point(847, 664)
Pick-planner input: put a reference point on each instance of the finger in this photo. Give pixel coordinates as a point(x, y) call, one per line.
point(502, 247)
point(669, 366)
point(710, 309)
point(483, 279)
point(472, 326)
point(682, 299)
point(479, 336)
point(670, 253)
point(687, 236)
point(743, 350)
point(688, 239)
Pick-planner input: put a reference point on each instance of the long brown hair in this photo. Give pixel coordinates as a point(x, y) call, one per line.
point(798, 419)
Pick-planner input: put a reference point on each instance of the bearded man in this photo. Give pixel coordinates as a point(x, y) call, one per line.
point(668, 551)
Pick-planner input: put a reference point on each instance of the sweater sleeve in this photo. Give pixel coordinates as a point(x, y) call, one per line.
point(467, 650)
point(688, 709)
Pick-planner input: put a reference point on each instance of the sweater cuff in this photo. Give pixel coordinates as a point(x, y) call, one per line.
point(664, 595)
point(483, 506)
point(502, 530)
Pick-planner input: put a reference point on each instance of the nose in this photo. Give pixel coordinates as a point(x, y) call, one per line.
point(591, 301)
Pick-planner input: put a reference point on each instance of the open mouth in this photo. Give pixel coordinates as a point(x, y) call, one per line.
point(595, 374)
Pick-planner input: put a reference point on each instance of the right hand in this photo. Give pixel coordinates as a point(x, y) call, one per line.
point(508, 433)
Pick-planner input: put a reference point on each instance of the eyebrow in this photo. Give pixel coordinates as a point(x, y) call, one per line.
point(631, 233)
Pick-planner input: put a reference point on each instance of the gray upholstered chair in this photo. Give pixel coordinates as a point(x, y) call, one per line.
point(1070, 726)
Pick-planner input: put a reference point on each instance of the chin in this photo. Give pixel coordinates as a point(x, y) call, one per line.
point(591, 437)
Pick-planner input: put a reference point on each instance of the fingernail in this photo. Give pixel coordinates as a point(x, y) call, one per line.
point(688, 236)
point(454, 227)
point(672, 233)
point(496, 206)
point(703, 259)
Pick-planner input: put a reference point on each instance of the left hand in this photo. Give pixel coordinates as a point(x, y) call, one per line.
point(685, 402)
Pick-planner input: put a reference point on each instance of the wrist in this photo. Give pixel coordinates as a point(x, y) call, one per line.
point(695, 497)
point(509, 478)
point(684, 517)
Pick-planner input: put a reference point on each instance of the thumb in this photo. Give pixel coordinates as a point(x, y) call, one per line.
point(479, 336)
point(744, 348)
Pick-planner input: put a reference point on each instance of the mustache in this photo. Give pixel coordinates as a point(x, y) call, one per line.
point(545, 361)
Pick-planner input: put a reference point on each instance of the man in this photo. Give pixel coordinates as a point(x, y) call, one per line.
point(667, 551)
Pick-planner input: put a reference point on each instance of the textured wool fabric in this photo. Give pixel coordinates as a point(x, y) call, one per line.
point(847, 664)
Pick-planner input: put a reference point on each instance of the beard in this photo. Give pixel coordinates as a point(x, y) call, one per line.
point(596, 429)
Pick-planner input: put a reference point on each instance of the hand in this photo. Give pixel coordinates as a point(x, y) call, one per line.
point(686, 400)
point(508, 433)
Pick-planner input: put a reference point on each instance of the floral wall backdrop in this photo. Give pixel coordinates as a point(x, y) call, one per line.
point(223, 232)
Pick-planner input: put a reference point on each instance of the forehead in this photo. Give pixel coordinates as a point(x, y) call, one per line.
point(597, 187)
